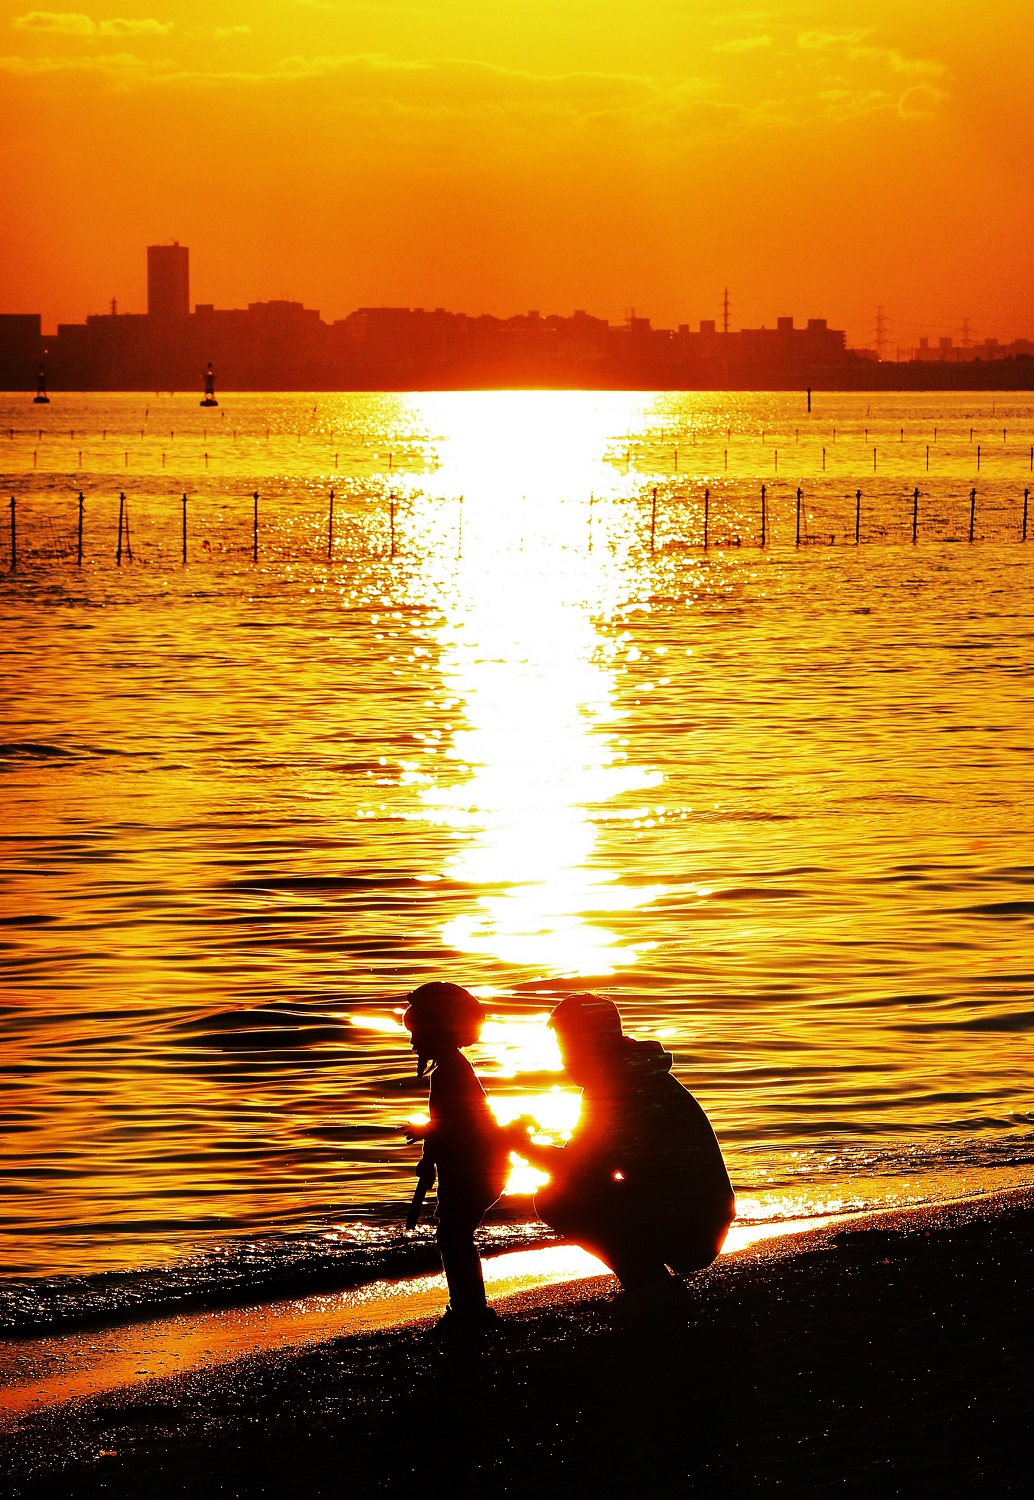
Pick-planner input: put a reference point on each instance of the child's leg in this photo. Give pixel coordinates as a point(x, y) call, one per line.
point(461, 1262)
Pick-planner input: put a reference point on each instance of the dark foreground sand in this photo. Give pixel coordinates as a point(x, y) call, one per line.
point(891, 1358)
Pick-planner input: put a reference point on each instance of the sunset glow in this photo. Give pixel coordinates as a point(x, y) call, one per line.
point(820, 158)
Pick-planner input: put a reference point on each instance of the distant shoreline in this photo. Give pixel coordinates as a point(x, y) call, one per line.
point(973, 378)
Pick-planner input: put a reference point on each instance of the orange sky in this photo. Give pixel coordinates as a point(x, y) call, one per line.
point(497, 155)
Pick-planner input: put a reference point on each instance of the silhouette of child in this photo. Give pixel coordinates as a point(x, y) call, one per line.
point(462, 1142)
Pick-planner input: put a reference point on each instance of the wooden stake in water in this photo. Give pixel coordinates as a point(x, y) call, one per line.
point(764, 515)
point(254, 528)
point(874, 460)
point(653, 519)
point(707, 518)
point(857, 516)
point(823, 460)
point(972, 511)
point(79, 548)
point(330, 530)
point(14, 536)
point(118, 549)
point(978, 458)
point(183, 531)
point(915, 515)
point(928, 458)
point(809, 400)
point(797, 543)
point(391, 519)
point(1026, 497)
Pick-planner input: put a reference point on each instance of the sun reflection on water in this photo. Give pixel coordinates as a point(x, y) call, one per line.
point(523, 656)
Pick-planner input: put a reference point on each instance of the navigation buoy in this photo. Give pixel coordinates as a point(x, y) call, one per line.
point(210, 387)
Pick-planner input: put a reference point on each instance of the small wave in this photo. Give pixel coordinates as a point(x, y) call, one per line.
point(1016, 1021)
point(304, 883)
point(19, 750)
point(33, 750)
point(999, 909)
point(758, 893)
point(263, 1028)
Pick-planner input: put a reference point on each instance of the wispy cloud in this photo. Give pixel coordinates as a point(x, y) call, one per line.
point(63, 23)
point(742, 44)
point(74, 23)
point(824, 41)
point(832, 76)
point(119, 70)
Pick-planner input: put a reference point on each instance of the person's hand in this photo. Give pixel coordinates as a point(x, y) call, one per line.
point(416, 1130)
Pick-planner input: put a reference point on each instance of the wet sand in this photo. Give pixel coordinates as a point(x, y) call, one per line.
point(890, 1355)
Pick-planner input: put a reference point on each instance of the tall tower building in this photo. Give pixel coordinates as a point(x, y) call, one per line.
point(168, 280)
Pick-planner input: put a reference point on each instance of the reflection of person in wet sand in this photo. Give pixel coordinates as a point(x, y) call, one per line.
point(642, 1184)
point(462, 1142)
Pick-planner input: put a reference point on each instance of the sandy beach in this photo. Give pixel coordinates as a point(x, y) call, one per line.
point(890, 1355)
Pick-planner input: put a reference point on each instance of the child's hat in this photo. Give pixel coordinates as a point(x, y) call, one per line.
point(442, 1007)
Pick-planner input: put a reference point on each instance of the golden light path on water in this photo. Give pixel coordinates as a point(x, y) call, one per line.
point(524, 660)
point(522, 655)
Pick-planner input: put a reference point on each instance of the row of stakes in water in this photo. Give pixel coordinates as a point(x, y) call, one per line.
point(764, 432)
point(628, 457)
point(124, 544)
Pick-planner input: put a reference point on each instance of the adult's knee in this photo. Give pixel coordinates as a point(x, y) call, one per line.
point(564, 1213)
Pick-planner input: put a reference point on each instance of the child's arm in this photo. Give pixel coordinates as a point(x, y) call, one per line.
point(424, 1180)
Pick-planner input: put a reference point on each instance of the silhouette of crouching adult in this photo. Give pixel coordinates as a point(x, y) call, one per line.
point(642, 1183)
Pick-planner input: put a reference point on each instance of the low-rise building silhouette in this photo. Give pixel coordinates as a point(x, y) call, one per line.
point(283, 345)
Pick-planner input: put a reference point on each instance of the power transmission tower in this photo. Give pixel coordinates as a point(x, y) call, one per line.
point(881, 332)
point(725, 311)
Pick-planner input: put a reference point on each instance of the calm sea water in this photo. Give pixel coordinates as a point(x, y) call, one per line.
point(523, 731)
